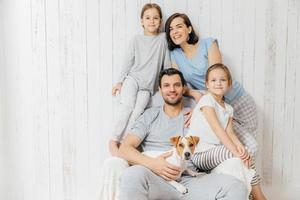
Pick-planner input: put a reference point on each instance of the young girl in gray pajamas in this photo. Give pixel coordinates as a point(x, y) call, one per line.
point(146, 56)
point(212, 121)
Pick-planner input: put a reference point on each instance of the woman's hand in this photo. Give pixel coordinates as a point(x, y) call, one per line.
point(195, 94)
point(116, 88)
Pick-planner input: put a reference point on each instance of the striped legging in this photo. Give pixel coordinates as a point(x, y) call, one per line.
point(208, 160)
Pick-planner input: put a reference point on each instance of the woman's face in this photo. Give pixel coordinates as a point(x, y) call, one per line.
point(179, 32)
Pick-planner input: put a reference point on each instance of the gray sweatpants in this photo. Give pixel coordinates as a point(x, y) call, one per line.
point(139, 183)
point(132, 103)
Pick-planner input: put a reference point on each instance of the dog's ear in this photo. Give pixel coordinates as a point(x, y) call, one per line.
point(196, 139)
point(174, 140)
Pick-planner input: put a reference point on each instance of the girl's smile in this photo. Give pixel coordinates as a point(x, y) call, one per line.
point(151, 21)
point(217, 82)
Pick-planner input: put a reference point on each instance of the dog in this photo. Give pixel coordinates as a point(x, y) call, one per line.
point(183, 151)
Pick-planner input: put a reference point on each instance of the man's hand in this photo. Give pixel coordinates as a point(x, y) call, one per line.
point(116, 88)
point(164, 169)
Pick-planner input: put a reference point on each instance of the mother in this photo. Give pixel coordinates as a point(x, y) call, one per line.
point(192, 56)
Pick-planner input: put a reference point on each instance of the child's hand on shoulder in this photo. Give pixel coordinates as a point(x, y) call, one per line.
point(188, 117)
point(116, 89)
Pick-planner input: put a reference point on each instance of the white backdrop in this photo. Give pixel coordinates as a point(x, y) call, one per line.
point(59, 59)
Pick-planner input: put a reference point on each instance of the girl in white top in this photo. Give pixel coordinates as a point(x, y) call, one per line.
point(146, 55)
point(212, 122)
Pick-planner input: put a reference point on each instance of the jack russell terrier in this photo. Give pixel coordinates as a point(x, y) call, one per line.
point(183, 150)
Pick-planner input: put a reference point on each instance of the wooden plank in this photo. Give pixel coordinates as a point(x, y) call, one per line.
point(216, 19)
point(279, 88)
point(78, 15)
point(192, 11)
point(94, 95)
point(40, 99)
point(3, 115)
point(296, 125)
point(119, 39)
point(259, 74)
point(249, 49)
point(105, 72)
point(290, 159)
point(133, 16)
point(204, 19)
point(227, 32)
point(23, 143)
point(67, 39)
point(236, 54)
point(55, 96)
point(180, 6)
point(268, 121)
point(169, 8)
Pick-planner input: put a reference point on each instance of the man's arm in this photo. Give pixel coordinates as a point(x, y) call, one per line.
point(128, 151)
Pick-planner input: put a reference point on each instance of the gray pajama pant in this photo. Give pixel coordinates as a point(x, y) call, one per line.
point(245, 122)
point(132, 103)
point(139, 183)
point(208, 160)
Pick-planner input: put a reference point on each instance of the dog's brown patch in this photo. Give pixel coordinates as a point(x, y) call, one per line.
point(179, 143)
point(192, 142)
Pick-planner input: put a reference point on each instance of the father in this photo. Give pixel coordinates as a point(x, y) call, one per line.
point(146, 179)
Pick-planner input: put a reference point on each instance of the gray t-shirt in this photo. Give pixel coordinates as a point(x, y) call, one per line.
point(145, 57)
point(154, 128)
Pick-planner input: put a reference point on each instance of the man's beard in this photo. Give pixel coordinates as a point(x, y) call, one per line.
point(178, 101)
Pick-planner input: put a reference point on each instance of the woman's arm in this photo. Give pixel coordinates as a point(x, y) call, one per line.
point(214, 54)
point(174, 65)
point(195, 94)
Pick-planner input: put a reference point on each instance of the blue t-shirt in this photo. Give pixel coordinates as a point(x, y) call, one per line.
point(194, 69)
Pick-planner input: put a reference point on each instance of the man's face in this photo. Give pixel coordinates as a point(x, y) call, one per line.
point(171, 89)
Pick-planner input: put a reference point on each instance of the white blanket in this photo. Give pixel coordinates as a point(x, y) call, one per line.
point(236, 168)
point(110, 175)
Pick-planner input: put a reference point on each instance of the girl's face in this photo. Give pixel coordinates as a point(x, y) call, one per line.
point(217, 83)
point(179, 32)
point(151, 21)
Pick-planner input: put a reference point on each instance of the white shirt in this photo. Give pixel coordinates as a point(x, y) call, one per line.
point(200, 127)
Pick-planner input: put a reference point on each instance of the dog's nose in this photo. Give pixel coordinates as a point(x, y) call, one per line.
point(187, 154)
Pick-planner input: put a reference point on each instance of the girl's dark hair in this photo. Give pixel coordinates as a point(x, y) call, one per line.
point(149, 6)
point(170, 72)
point(219, 66)
point(193, 38)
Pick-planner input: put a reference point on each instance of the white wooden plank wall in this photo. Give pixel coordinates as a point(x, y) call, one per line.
point(59, 59)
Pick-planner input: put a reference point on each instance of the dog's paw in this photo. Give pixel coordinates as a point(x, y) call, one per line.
point(194, 174)
point(182, 189)
point(198, 174)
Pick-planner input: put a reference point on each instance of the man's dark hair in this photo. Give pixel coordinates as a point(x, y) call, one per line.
point(193, 38)
point(170, 72)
